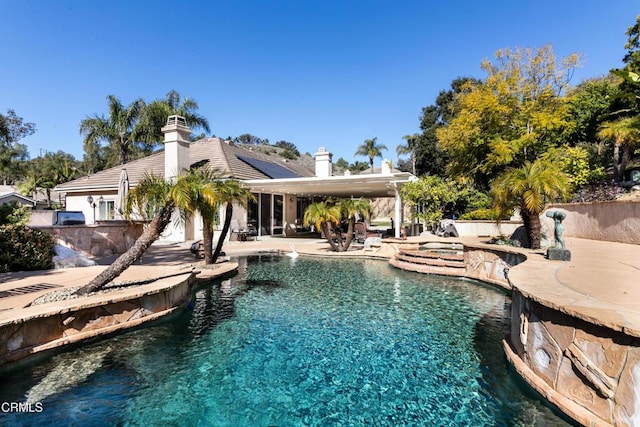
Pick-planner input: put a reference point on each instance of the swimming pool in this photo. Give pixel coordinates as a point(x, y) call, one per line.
point(296, 342)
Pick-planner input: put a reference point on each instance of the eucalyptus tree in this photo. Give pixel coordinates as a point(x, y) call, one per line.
point(530, 187)
point(121, 129)
point(13, 154)
point(371, 149)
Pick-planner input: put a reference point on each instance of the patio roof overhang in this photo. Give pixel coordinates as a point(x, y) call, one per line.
point(366, 185)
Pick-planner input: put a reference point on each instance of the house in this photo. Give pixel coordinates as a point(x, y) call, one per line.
point(283, 188)
point(9, 194)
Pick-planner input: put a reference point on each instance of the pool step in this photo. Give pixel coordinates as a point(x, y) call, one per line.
point(430, 262)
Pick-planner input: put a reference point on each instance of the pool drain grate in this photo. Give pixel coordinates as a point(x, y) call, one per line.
point(27, 290)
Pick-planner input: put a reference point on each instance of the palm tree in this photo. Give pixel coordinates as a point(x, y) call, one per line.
point(197, 191)
point(409, 148)
point(370, 149)
point(229, 192)
point(624, 133)
point(324, 214)
point(321, 214)
point(121, 130)
point(151, 198)
point(156, 114)
point(350, 209)
point(529, 188)
point(34, 180)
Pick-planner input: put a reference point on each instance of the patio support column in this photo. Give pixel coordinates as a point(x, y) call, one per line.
point(398, 213)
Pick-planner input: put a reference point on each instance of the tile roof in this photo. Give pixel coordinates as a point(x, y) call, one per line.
point(220, 155)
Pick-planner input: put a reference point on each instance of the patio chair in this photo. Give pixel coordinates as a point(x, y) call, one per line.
point(242, 233)
point(360, 229)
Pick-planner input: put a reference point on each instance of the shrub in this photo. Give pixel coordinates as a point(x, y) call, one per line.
point(601, 192)
point(14, 213)
point(25, 249)
point(481, 214)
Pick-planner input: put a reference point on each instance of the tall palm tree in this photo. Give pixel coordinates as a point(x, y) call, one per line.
point(624, 133)
point(156, 114)
point(151, 198)
point(529, 188)
point(229, 192)
point(370, 149)
point(197, 191)
point(321, 214)
point(409, 148)
point(121, 129)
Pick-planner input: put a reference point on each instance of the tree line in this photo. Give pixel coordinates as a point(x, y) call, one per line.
point(523, 136)
point(125, 133)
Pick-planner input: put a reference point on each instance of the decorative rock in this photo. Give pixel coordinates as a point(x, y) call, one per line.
point(556, 254)
point(520, 235)
point(372, 241)
point(626, 408)
point(67, 257)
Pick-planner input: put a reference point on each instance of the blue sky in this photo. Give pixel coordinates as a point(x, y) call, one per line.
point(315, 73)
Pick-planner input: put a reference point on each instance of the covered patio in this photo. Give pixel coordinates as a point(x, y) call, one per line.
point(292, 195)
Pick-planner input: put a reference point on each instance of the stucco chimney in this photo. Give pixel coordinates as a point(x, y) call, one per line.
point(176, 146)
point(385, 167)
point(324, 167)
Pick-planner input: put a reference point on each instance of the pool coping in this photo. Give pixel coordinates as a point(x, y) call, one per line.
point(31, 330)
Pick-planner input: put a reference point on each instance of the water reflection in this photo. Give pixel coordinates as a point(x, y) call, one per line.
point(316, 342)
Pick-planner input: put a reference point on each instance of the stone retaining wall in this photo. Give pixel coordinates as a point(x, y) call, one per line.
point(590, 372)
point(490, 266)
point(607, 221)
point(97, 240)
point(45, 327)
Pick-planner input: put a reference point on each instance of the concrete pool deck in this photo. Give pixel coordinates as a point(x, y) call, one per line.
point(574, 325)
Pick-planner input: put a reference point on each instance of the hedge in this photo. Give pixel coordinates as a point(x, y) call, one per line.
point(24, 249)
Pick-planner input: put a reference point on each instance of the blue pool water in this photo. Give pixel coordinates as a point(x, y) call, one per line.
point(296, 342)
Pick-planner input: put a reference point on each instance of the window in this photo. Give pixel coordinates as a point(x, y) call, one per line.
point(278, 214)
point(106, 210)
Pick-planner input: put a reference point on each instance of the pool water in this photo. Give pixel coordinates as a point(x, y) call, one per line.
point(296, 342)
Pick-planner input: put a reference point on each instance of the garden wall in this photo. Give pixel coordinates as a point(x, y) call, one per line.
point(486, 228)
point(607, 221)
point(96, 240)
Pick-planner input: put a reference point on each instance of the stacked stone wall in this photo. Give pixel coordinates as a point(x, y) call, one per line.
point(96, 240)
point(46, 327)
point(589, 371)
